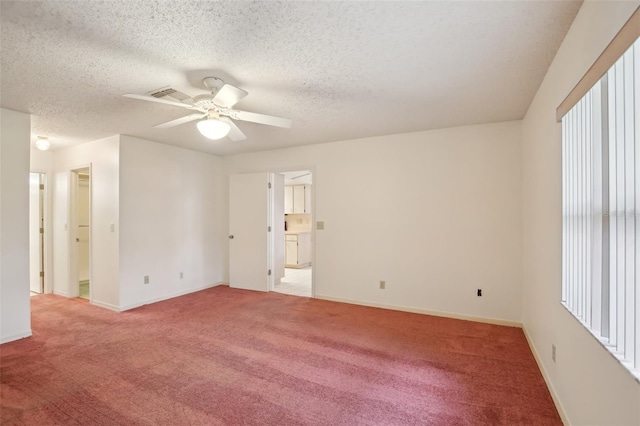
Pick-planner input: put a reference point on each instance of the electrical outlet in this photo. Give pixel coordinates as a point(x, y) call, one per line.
point(146, 279)
point(553, 353)
point(181, 275)
point(320, 225)
point(382, 285)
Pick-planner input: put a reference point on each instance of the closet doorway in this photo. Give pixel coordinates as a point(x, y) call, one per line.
point(81, 235)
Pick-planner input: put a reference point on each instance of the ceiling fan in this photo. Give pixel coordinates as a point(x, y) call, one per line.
point(213, 110)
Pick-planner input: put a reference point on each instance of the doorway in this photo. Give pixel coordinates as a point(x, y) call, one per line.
point(36, 232)
point(81, 237)
point(257, 237)
point(297, 219)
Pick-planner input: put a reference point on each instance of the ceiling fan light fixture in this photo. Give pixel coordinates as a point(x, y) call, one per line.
point(212, 128)
point(43, 143)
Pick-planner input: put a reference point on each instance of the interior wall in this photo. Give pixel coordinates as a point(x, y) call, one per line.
point(172, 220)
point(15, 135)
point(299, 222)
point(103, 157)
point(436, 214)
point(590, 386)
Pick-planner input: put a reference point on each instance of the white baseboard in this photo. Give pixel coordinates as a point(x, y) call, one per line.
point(60, 293)
point(16, 336)
point(105, 305)
point(547, 379)
point(170, 296)
point(423, 311)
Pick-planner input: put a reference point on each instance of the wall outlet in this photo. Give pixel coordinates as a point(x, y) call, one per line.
point(146, 279)
point(320, 225)
point(553, 353)
point(382, 285)
point(181, 275)
point(479, 292)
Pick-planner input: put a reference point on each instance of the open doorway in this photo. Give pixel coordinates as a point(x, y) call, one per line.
point(257, 236)
point(36, 232)
point(297, 219)
point(81, 226)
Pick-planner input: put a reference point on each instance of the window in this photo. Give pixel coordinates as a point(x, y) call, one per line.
point(601, 204)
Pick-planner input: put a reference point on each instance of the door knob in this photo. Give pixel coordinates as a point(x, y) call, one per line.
point(77, 240)
point(231, 237)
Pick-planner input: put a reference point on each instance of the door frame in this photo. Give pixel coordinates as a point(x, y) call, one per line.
point(45, 223)
point(312, 169)
point(48, 229)
point(73, 281)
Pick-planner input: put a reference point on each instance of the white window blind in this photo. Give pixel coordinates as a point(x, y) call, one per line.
point(601, 203)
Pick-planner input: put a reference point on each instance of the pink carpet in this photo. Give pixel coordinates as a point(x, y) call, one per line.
point(227, 356)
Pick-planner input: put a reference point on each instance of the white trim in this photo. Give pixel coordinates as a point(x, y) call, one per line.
point(105, 305)
point(170, 296)
point(547, 379)
point(496, 321)
point(16, 336)
point(61, 293)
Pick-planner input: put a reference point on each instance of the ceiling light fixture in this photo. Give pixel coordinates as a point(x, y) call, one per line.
point(212, 127)
point(43, 143)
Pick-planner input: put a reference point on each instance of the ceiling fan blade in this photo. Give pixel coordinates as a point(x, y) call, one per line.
point(178, 121)
point(160, 101)
point(228, 96)
point(260, 118)
point(235, 134)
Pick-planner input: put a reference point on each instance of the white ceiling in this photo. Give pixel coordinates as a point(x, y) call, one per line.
point(339, 70)
point(302, 177)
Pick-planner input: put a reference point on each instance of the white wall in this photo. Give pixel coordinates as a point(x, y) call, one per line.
point(41, 161)
point(172, 220)
point(590, 385)
point(435, 214)
point(103, 156)
point(15, 134)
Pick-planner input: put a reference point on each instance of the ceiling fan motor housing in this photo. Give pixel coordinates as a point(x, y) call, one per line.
point(205, 102)
point(213, 84)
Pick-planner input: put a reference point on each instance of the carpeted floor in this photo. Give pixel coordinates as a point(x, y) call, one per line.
point(227, 356)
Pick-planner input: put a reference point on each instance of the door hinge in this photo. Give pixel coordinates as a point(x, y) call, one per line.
point(41, 274)
point(269, 273)
point(269, 185)
point(268, 229)
point(41, 186)
point(42, 230)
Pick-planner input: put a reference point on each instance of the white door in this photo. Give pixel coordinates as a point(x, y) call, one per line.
point(35, 233)
point(278, 227)
point(248, 232)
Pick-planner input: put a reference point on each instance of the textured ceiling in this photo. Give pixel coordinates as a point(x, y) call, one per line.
point(339, 70)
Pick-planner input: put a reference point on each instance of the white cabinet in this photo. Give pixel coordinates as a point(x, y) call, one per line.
point(297, 199)
point(288, 199)
point(298, 250)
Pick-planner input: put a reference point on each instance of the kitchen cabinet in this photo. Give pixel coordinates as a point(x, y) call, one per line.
point(288, 199)
point(297, 250)
point(297, 199)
